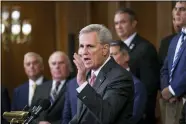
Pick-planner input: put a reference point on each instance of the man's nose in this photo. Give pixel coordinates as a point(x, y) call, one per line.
point(84, 50)
point(177, 11)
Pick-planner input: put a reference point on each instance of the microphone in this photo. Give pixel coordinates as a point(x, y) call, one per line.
point(32, 110)
point(26, 108)
point(44, 104)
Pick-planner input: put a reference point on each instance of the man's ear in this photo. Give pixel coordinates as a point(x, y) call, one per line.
point(134, 23)
point(106, 48)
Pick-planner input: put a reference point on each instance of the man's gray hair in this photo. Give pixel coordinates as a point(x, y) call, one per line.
point(39, 58)
point(69, 64)
point(103, 33)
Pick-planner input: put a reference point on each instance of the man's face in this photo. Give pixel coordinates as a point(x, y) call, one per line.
point(177, 27)
point(123, 25)
point(91, 51)
point(179, 13)
point(58, 67)
point(33, 68)
point(118, 56)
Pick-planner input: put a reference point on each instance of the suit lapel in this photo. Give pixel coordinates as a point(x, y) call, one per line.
point(172, 50)
point(26, 94)
point(99, 80)
point(179, 55)
point(134, 43)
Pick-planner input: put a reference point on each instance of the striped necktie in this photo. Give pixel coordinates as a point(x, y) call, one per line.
point(176, 56)
point(54, 93)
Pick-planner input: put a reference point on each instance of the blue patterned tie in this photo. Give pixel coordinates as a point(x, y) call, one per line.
point(176, 56)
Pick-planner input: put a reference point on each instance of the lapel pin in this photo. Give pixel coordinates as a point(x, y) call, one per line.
point(131, 46)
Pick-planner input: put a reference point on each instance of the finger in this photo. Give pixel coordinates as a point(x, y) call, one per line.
point(77, 65)
point(79, 61)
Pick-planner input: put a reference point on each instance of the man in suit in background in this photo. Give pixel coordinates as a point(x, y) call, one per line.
point(173, 74)
point(33, 65)
point(60, 68)
point(70, 105)
point(166, 41)
point(5, 103)
point(119, 51)
point(143, 57)
point(105, 94)
point(165, 106)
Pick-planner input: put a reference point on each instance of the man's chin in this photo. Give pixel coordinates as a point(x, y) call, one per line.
point(88, 66)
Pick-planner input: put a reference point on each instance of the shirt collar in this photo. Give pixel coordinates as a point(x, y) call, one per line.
point(128, 69)
point(183, 30)
point(129, 39)
point(61, 82)
point(39, 81)
point(96, 72)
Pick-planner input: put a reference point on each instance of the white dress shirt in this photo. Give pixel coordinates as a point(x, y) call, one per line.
point(96, 72)
point(129, 39)
point(39, 81)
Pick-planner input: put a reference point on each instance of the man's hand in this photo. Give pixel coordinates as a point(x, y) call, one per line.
point(81, 75)
point(173, 100)
point(166, 93)
point(44, 122)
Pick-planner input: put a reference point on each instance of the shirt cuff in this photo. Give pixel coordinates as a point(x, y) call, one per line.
point(171, 90)
point(80, 88)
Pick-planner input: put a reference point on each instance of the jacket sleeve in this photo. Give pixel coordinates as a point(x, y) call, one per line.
point(66, 113)
point(140, 99)
point(164, 75)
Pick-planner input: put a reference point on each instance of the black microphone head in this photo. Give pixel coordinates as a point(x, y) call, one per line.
point(45, 104)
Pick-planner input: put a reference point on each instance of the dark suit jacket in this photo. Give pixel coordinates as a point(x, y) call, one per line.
point(110, 100)
point(140, 99)
point(5, 103)
point(144, 64)
point(165, 42)
point(178, 82)
point(52, 114)
point(20, 96)
point(183, 115)
point(70, 106)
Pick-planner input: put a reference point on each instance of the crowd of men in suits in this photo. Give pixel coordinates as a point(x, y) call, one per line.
point(117, 81)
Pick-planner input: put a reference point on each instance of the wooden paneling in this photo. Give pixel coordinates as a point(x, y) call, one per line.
point(53, 21)
point(42, 17)
point(147, 24)
point(99, 13)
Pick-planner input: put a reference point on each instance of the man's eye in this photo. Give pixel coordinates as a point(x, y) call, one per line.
point(80, 46)
point(90, 46)
point(182, 9)
point(28, 64)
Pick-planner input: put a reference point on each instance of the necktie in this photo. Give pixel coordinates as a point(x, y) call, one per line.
point(92, 78)
point(176, 56)
point(54, 92)
point(33, 88)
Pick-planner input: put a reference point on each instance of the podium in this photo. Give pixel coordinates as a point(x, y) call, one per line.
point(16, 117)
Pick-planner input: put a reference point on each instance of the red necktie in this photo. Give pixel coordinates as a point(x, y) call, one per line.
point(92, 78)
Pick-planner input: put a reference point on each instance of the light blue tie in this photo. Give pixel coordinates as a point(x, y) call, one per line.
point(176, 56)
